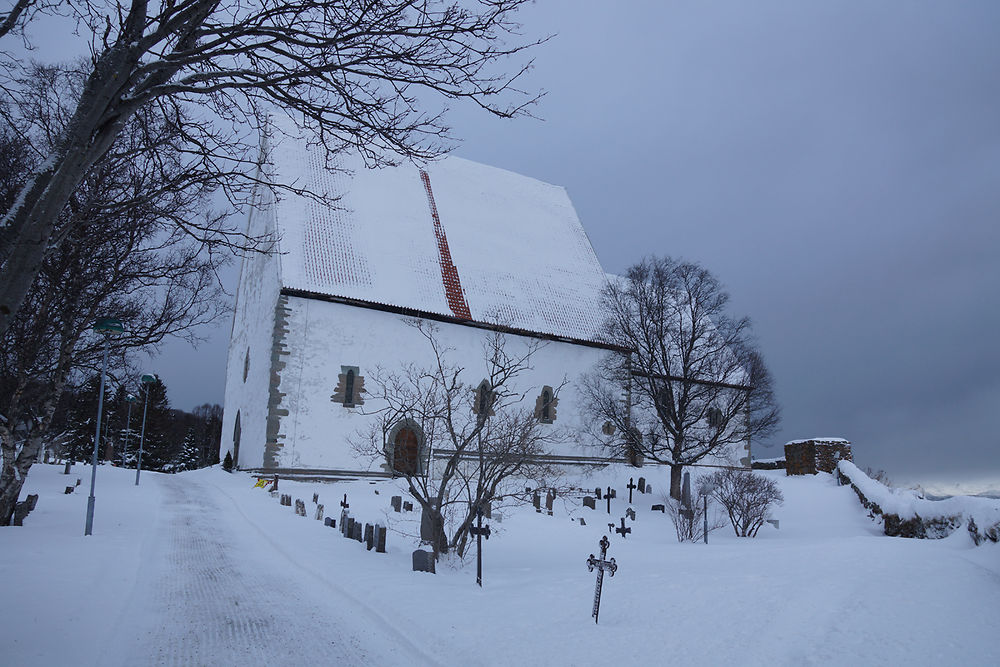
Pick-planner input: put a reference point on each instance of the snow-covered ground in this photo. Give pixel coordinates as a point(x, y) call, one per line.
point(200, 568)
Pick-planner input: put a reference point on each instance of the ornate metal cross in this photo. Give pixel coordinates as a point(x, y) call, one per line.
point(630, 486)
point(601, 564)
point(479, 531)
point(623, 531)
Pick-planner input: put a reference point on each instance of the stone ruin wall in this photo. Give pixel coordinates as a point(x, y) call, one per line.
point(808, 457)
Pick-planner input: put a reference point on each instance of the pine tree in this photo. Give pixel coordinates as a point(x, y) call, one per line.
point(80, 421)
point(158, 450)
point(227, 463)
point(188, 458)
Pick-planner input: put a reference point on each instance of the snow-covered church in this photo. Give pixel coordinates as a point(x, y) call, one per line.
point(458, 243)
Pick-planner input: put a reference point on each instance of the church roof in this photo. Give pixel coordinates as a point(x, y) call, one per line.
point(452, 238)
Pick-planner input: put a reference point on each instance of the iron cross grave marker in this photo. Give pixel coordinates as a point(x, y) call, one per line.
point(623, 531)
point(601, 564)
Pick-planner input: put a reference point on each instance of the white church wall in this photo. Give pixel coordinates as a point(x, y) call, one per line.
point(322, 337)
point(251, 339)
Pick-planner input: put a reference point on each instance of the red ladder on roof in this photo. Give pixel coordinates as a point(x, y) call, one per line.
point(449, 274)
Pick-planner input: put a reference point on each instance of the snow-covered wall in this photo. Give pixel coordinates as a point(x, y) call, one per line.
point(324, 337)
point(248, 368)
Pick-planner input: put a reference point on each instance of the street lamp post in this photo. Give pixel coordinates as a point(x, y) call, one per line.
point(106, 326)
point(146, 381)
point(705, 491)
point(130, 399)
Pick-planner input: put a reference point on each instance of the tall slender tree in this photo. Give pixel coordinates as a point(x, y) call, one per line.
point(696, 384)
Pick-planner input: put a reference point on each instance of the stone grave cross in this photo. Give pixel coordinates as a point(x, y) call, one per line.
point(608, 497)
point(623, 531)
point(601, 564)
point(630, 486)
point(343, 503)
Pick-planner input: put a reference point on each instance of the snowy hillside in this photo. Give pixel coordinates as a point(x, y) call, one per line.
point(201, 568)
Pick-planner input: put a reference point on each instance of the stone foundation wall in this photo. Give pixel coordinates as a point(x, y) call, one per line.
point(918, 527)
point(808, 457)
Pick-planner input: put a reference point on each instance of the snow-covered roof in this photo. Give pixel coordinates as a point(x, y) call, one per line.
point(823, 440)
point(453, 238)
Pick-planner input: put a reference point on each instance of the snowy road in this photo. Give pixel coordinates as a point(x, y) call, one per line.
point(227, 594)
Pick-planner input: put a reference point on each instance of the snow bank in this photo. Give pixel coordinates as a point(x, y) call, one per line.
point(906, 506)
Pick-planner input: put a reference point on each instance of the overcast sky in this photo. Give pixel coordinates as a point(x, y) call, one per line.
point(836, 164)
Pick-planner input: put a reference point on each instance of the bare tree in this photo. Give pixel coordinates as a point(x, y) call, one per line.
point(375, 75)
point(695, 385)
point(479, 442)
point(747, 497)
point(131, 263)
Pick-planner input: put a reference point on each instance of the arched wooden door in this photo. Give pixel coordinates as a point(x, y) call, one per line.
point(407, 448)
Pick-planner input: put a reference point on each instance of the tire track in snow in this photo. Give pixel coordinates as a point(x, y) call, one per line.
point(212, 604)
point(398, 636)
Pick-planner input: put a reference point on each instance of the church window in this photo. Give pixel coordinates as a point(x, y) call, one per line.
point(545, 405)
point(246, 365)
point(484, 399)
point(715, 417)
point(350, 387)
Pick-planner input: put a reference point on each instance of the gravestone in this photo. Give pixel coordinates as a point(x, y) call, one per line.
point(428, 532)
point(488, 509)
point(66, 469)
point(630, 513)
point(358, 536)
point(343, 520)
point(407, 506)
point(649, 488)
point(379, 539)
point(78, 481)
point(550, 497)
point(597, 492)
point(300, 507)
point(328, 521)
point(642, 485)
point(589, 501)
point(396, 502)
point(536, 501)
point(423, 561)
point(582, 522)
point(70, 489)
point(23, 508)
point(349, 528)
point(660, 508)
point(369, 536)
point(315, 498)
point(286, 500)
point(319, 512)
